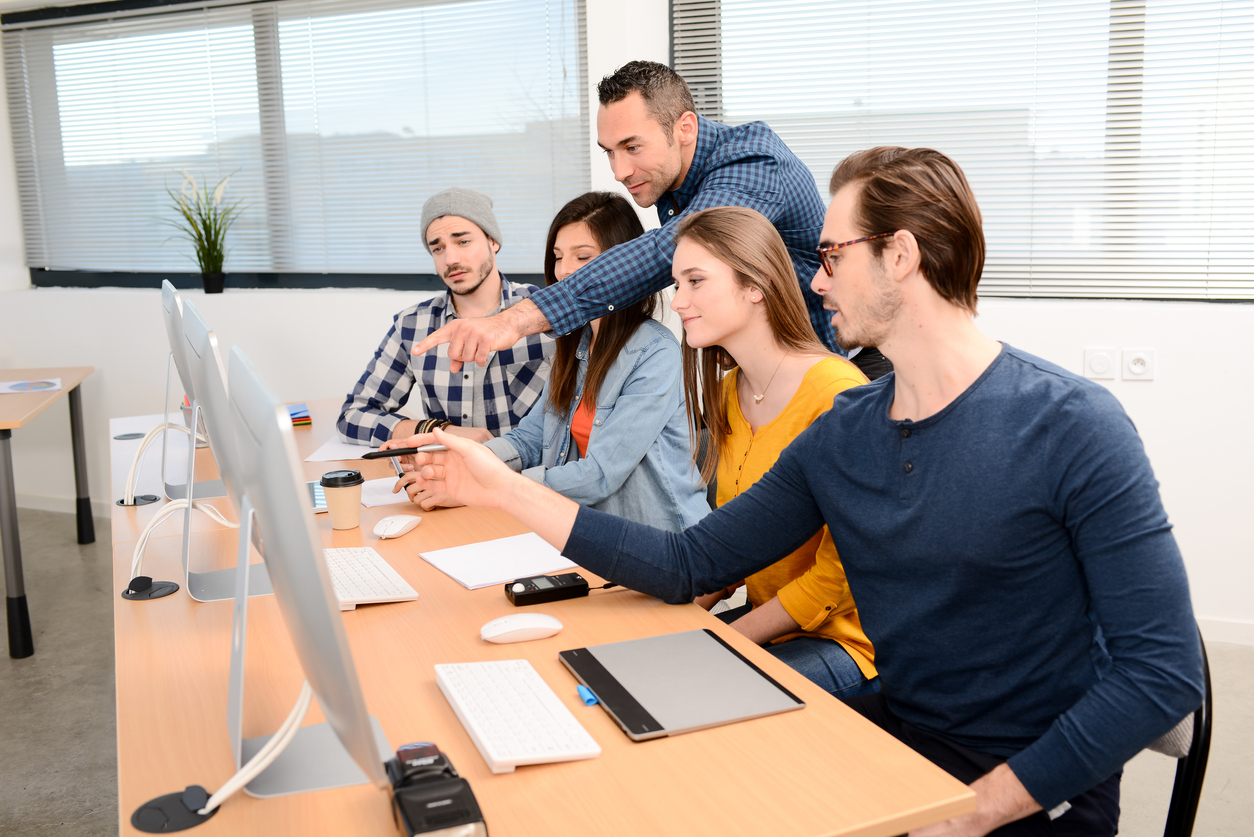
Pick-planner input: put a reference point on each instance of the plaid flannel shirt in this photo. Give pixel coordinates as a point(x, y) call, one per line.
point(496, 396)
point(748, 165)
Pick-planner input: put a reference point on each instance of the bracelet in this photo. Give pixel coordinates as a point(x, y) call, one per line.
point(427, 425)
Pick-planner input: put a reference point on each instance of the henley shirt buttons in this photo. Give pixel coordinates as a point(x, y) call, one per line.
point(465, 377)
point(465, 416)
point(908, 467)
point(905, 432)
point(611, 307)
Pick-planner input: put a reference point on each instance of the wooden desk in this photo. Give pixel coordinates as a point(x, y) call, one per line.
point(16, 411)
point(822, 770)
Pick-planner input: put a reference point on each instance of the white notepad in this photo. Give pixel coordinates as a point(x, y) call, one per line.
point(334, 451)
point(486, 563)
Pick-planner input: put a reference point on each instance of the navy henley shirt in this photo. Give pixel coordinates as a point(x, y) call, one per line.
point(1010, 557)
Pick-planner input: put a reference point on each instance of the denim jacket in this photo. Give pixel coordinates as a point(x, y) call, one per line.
point(639, 459)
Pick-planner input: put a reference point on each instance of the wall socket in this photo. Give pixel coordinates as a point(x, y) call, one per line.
point(1101, 364)
point(1138, 364)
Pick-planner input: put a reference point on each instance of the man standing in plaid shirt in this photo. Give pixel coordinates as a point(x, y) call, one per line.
point(670, 158)
point(485, 400)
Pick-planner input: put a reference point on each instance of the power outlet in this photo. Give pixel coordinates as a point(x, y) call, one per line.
point(1138, 364)
point(1101, 364)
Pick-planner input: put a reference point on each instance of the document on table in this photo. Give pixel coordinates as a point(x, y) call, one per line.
point(45, 385)
point(334, 449)
point(379, 493)
point(487, 563)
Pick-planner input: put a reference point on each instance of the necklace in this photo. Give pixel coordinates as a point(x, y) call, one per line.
point(757, 399)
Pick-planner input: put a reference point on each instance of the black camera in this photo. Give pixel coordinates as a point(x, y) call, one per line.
point(429, 795)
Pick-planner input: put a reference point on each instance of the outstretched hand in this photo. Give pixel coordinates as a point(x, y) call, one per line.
point(466, 474)
point(476, 338)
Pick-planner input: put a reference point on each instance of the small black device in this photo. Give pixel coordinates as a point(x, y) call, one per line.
point(429, 795)
point(539, 589)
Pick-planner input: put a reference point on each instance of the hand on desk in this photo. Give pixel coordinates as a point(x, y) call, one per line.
point(476, 338)
point(1000, 798)
point(470, 474)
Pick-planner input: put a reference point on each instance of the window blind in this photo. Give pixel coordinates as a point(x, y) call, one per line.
point(335, 120)
point(1110, 143)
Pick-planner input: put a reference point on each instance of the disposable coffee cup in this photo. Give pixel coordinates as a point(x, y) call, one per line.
point(343, 493)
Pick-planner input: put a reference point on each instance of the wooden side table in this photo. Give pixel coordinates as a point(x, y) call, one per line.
point(17, 410)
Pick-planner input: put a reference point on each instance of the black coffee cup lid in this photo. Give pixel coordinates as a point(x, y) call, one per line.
point(341, 479)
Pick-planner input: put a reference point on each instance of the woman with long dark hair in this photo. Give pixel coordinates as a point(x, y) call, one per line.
point(610, 430)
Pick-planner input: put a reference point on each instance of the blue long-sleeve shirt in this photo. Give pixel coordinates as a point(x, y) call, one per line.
point(748, 165)
point(984, 546)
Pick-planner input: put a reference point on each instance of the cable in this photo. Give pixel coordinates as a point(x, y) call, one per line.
point(267, 754)
point(604, 586)
point(137, 559)
point(143, 446)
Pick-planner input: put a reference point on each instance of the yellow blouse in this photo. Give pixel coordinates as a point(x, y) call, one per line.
point(810, 583)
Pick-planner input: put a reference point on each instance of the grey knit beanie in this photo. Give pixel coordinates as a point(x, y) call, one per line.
point(466, 203)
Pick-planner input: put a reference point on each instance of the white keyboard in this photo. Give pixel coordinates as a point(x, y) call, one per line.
point(512, 715)
point(361, 576)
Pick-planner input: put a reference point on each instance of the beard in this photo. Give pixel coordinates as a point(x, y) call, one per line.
point(661, 181)
point(480, 276)
point(871, 321)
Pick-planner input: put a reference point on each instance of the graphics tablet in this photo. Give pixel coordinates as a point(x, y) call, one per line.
point(666, 685)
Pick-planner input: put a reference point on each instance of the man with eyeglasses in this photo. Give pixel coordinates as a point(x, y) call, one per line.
point(460, 231)
point(670, 158)
point(997, 518)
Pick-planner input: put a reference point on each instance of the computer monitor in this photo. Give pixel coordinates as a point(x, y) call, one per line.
point(207, 374)
point(172, 313)
point(350, 747)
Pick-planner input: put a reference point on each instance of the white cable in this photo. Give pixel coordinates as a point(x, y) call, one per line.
point(137, 559)
point(143, 446)
point(267, 754)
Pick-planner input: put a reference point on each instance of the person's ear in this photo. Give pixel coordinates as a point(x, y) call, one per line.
point(902, 257)
point(686, 128)
point(496, 248)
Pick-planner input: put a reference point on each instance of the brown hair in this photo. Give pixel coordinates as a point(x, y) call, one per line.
point(612, 221)
point(665, 93)
point(925, 192)
point(744, 240)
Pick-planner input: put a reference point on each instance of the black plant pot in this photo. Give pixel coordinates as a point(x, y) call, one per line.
point(213, 282)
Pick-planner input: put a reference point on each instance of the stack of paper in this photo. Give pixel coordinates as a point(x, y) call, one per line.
point(487, 563)
point(300, 415)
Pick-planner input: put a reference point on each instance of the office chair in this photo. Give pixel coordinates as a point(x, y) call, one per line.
point(1191, 767)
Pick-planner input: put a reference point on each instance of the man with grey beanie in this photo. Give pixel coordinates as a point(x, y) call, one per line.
point(461, 233)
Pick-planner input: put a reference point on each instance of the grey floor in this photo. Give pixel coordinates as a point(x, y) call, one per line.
point(58, 772)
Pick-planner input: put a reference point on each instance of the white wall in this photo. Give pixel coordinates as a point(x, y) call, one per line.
point(314, 344)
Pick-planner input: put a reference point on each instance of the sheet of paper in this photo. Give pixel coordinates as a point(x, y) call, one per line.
point(379, 493)
point(335, 450)
point(487, 563)
point(44, 385)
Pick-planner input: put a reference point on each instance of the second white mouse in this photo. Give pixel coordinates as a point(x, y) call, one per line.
point(396, 525)
point(520, 627)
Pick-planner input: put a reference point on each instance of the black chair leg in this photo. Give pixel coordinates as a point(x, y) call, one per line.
point(1191, 770)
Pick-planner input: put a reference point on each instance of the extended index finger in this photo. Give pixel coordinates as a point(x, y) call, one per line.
point(435, 338)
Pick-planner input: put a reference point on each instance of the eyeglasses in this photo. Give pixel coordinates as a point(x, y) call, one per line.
point(825, 253)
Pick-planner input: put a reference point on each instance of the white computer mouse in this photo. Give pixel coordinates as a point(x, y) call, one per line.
point(520, 627)
point(393, 526)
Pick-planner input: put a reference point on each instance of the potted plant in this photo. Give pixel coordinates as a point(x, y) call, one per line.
point(204, 221)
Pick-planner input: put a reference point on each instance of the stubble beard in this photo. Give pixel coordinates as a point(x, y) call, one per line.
point(485, 270)
point(875, 318)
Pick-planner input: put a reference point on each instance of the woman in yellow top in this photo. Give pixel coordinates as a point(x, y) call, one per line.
point(756, 375)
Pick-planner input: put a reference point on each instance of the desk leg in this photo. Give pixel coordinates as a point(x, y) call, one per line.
point(86, 528)
point(21, 643)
